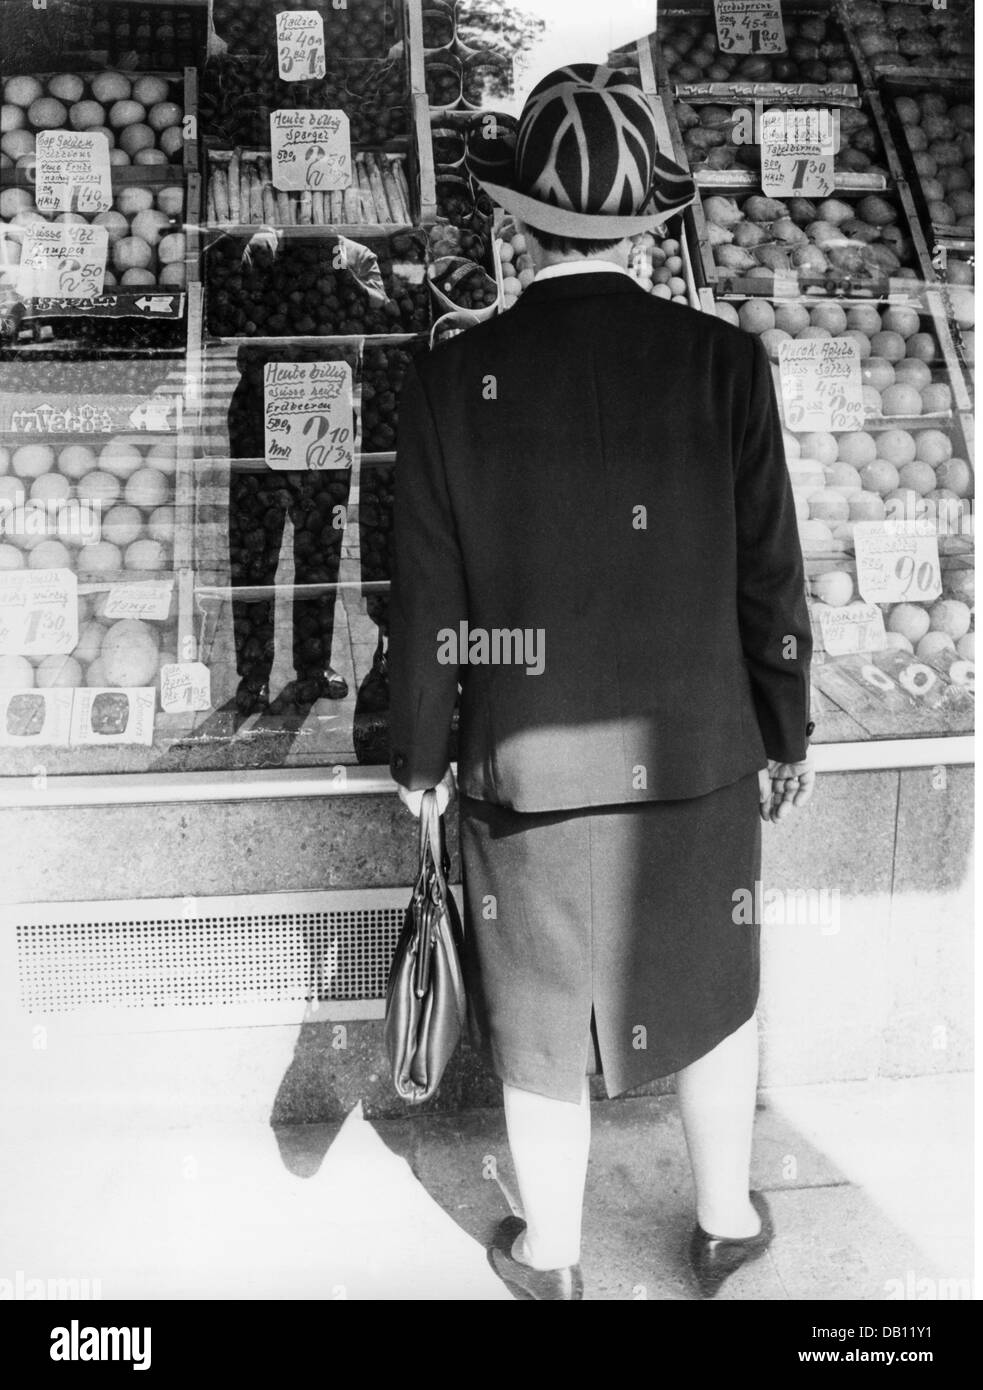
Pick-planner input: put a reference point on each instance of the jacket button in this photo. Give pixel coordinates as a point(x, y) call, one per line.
point(810, 729)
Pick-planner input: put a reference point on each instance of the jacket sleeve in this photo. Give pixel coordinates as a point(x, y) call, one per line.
point(774, 620)
point(428, 595)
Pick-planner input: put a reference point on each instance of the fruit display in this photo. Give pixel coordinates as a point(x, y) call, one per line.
point(241, 191)
point(470, 213)
point(383, 370)
point(443, 77)
point(714, 138)
point(938, 135)
point(818, 51)
point(834, 244)
point(896, 37)
point(142, 116)
point(448, 146)
point(363, 29)
point(148, 36)
point(460, 284)
point(438, 26)
point(238, 94)
point(145, 228)
point(97, 508)
point(312, 287)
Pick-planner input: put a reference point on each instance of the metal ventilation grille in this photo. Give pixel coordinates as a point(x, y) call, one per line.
point(255, 951)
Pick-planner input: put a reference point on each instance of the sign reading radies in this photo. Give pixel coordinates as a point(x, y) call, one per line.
point(308, 415)
point(750, 26)
point(821, 384)
point(897, 561)
point(73, 171)
point(38, 612)
point(185, 687)
point(300, 45)
point(63, 260)
point(310, 149)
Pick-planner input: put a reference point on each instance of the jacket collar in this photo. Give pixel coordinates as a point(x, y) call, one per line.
point(578, 287)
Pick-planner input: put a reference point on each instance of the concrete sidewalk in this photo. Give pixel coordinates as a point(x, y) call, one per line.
point(870, 1184)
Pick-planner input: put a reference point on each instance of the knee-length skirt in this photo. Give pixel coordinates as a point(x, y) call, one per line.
point(617, 934)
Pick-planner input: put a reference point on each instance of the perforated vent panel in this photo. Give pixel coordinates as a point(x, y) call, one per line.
point(239, 956)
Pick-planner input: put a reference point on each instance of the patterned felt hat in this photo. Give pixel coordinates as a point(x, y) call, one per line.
point(585, 159)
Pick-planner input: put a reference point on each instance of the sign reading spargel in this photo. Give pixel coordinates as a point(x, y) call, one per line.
point(38, 612)
point(797, 153)
point(821, 385)
point(63, 260)
point(857, 627)
point(310, 149)
point(300, 45)
point(185, 686)
point(308, 415)
point(73, 171)
point(750, 26)
point(897, 561)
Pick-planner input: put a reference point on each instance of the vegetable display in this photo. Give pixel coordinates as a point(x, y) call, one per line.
point(241, 191)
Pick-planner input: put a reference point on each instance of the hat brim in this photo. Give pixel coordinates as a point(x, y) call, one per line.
point(586, 226)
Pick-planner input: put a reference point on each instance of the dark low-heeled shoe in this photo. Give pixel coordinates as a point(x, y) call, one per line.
point(715, 1258)
point(557, 1285)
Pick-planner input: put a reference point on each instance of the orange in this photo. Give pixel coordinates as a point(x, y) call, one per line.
point(877, 372)
point(901, 400)
point(889, 345)
point(857, 449)
point(910, 620)
point(897, 446)
point(880, 477)
point(933, 447)
point(918, 476)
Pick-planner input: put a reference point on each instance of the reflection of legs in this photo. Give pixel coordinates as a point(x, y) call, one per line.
point(716, 1098)
point(257, 511)
point(317, 560)
point(550, 1142)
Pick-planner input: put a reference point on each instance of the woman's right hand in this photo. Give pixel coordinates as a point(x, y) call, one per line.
point(784, 788)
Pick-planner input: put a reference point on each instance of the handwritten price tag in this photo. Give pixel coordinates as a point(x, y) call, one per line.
point(300, 45)
point(309, 421)
point(859, 627)
point(821, 385)
point(73, 171)
point(750, 26)
point(141, 600)
point(185, 686)
point(897, 561)
point(38, 613)
point(63, 261)
point(797, 150)
point(310, 149)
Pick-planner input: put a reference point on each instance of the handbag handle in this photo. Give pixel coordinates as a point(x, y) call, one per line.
point(430, 842)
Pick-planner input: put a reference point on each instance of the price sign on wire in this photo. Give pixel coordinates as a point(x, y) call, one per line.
point(750, 26)
point(310, 149)
point(821, 385)
point(308, 415)
point(73, 171)
point(858, 627)
point(185, 686)
point(38, 612)
point(63, 260)
point(300, 45)
point(148, 599)
point(897, 561)
point(797, 153)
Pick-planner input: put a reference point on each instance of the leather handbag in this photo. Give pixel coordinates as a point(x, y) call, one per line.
point(426, 1007)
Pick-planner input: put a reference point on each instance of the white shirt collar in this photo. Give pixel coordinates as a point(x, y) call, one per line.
point(586, 267)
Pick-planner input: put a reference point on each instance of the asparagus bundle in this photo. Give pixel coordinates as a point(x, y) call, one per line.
point(240, 191)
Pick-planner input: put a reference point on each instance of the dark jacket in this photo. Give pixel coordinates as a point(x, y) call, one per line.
point(606, 470)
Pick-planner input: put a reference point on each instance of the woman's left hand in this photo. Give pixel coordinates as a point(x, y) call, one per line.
point(413, 801)
point(784, 788)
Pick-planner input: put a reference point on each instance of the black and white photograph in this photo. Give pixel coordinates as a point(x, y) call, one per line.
point(487, 664)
